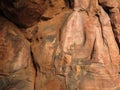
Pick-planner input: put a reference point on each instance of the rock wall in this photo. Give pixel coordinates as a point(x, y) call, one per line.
point(59, 45)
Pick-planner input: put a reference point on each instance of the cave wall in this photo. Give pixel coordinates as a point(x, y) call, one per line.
point(59, 44)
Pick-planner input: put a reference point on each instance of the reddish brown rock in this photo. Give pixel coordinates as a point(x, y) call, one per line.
point(44, 46)
point(23, 12)
point(54, 8)
point(113, 10)
point(72, 48)
point(16, 68)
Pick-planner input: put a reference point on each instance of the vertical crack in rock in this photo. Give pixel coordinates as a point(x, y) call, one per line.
point(104, 39)
point(112, 9)
point(36, 67)
point(70, 3)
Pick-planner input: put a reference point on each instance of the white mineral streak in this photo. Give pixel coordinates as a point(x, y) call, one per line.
point(72, 32)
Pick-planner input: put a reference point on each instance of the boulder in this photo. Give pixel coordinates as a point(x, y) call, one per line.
point(24, 13)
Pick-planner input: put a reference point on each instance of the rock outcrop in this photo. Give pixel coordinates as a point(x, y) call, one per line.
point(74, 46)
point(16, 67)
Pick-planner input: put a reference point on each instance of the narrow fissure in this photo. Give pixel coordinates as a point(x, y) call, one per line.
point(107, 10)
point(70, 3)
point(35, 65)
point(104, 40)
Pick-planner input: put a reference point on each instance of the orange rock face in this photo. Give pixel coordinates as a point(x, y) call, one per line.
point(74, 46)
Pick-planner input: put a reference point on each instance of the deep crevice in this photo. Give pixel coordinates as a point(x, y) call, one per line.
point(104, 40)
point(45, 18)
point(107, 10)
point(36, 66)
point(70, 3)
point(100, 25)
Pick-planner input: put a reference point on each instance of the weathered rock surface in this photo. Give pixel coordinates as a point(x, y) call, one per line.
point(16, 68)
point(75, 46)
point(113, 9)
point(23, 12)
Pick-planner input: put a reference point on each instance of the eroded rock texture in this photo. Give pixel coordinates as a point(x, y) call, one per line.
point(74, 46)
point(16, 68)
point(23, 12)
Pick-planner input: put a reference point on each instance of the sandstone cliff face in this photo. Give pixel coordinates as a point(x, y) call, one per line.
point(62, 45)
